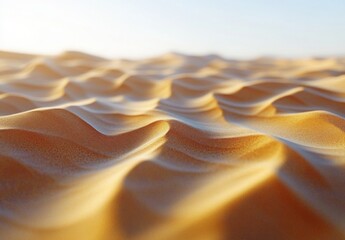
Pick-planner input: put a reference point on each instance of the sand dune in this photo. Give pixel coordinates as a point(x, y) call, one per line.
point(172, 147)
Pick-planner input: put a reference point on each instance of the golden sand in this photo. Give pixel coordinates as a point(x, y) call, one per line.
point(172, 147)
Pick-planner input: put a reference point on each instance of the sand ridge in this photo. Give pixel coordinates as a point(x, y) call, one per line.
point(171, 147)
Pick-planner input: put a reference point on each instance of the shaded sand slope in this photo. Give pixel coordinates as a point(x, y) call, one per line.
point(173, 147)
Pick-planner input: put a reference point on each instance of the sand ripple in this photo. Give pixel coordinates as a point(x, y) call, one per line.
point(173, 147)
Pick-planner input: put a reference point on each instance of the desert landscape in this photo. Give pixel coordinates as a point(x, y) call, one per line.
point(171, 147)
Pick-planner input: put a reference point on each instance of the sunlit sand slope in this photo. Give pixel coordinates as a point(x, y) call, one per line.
point(172, 147)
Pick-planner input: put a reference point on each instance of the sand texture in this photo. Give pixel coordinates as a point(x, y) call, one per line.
point(171, 147)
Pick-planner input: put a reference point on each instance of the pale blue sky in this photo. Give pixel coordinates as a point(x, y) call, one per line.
point(142, 28)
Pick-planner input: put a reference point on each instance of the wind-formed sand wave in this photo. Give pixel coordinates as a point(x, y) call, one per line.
point(172, 147)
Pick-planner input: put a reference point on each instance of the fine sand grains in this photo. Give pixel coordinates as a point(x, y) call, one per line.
point(172, 147)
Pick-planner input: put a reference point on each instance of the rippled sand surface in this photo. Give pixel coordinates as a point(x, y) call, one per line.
point(172, 147)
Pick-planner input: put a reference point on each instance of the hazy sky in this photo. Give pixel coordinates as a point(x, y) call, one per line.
point(141, 28)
